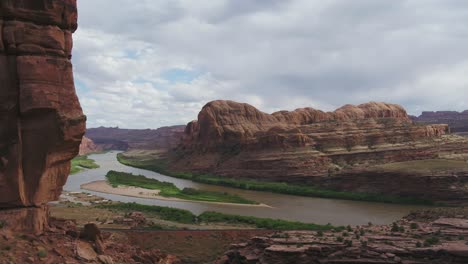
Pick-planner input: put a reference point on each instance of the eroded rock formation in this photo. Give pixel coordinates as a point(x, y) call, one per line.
point(330, 149)
point(41, 119)
point(222, 123)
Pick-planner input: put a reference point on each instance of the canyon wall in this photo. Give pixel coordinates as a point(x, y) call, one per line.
point(338, 150)
point(232, 138)
point(42, 122)
point(458, 121)
point(115, 138)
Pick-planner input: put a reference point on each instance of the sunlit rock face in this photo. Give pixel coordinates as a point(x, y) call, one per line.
point(231, 138)
point(341, 150)
point(42, 122)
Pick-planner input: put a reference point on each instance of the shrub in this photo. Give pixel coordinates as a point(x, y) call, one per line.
point(349, 243)
point(431, 241)
point(42, 253)
point(414, 226)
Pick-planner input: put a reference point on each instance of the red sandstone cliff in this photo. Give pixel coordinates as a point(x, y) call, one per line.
point(42, 121)
point(334, 150)
point(221, 123)
point(305, 142)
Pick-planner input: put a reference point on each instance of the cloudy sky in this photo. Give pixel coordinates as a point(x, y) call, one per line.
point(151, 63)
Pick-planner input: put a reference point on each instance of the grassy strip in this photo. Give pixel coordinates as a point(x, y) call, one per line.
point(263, 223)
point(165, 213)
point(277, 187)
point(168, 189)
point(187, 217)
point(80, 162)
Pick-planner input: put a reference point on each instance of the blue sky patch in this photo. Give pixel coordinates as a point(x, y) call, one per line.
point(177, 75)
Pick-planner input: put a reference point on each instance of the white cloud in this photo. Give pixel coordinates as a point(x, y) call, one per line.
point(276, 54)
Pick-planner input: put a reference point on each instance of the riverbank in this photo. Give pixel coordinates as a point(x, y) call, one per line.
point(82, 162)
point(159, 165)
point(131, 191)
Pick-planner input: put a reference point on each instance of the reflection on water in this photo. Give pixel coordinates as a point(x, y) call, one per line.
point(287, 207)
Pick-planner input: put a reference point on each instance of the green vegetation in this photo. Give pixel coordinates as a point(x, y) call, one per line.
point(42, 253)
point(431, 241)
point(168, 189)
point(187, 217)
point(80, 162)
point(278, 187)
point(426, 166)
point(264, 223)
point(165, 213)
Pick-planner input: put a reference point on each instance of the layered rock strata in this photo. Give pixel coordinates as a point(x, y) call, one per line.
point(42, 122)
point(328, 149)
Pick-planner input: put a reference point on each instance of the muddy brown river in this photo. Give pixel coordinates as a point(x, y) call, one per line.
point(287, 207)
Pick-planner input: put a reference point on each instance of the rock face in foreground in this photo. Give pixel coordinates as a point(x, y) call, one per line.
point(458, 121)
point(64, 242)
point(41, 119)
point(333, 150)
point(410, 240)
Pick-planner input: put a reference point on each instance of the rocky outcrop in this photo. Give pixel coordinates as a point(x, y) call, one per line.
point(328, 149)
point(109, 138)
point(227, 123)
point(410, 240)
point(231, 138)
point(41, 119)
point(87, 146)
point(222, 123)
point(458, 121)
point(64, 242)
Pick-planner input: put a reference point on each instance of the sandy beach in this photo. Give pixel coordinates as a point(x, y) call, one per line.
point(105, 187)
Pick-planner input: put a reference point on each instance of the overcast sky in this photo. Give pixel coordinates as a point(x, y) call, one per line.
point(151, 63)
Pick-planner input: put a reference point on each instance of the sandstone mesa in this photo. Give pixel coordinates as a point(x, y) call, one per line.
point(340, 150)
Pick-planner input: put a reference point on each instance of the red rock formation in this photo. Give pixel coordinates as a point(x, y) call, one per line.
point(87, 147)
point(42, 121)
point(227, 122)
point(286, 137)
point(328, 149)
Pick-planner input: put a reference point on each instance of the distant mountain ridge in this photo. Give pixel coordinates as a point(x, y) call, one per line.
point(457, 121)
point(123, 139)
